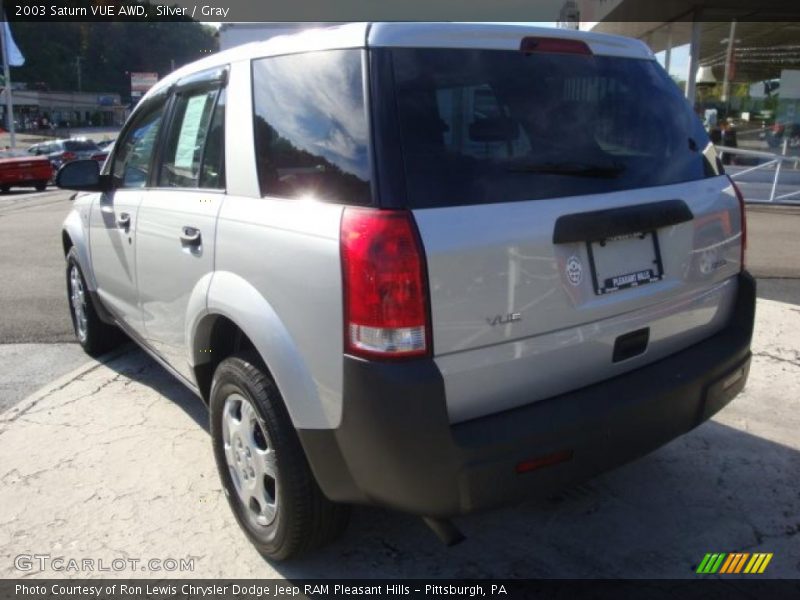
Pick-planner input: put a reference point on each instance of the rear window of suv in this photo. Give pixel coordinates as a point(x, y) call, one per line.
point(485, 126)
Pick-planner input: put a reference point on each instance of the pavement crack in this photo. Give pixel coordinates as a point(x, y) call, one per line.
point(16, 413)
point(76, 399)
point(794, 362)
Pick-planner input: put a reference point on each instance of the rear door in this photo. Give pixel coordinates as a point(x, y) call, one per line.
point(563, 200)
point(177, 219)
point(114, 218)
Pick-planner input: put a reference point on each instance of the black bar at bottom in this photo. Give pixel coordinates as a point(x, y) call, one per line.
point(696, 587)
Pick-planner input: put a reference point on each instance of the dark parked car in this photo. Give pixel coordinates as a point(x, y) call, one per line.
point(64, 151)
point(101, 155)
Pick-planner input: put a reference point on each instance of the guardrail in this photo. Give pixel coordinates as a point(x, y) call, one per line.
point(776, 160)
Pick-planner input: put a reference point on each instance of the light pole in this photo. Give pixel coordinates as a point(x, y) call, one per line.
point(726, 80)
point(7, 75)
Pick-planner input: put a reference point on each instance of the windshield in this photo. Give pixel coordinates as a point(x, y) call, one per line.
point(481, 126)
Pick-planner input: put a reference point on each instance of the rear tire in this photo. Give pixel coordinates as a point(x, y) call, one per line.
point(264, 472)
point(94, 336)
point(5, 189)
point(40, 186)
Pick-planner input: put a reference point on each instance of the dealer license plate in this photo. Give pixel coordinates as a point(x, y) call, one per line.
point(625, 261)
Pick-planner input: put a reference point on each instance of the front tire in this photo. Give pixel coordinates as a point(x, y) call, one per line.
point(94, 336)
point(40, 186)
point(262, 466)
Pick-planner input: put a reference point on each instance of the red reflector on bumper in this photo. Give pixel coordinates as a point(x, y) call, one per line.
point(544, 461)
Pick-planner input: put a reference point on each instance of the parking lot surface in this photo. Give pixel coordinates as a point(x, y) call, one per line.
point(114, 461)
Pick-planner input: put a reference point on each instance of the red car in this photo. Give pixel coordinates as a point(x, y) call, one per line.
point(24, 171)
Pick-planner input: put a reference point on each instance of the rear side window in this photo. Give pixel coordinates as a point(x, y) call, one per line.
point(192, 155)
point(311, 131)
point(485, 126)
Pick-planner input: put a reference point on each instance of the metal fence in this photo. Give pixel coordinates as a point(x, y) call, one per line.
point(774, 163)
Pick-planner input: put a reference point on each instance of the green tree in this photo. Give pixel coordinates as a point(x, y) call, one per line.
point(109, 51)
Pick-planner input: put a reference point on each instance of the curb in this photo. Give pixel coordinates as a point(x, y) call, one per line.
point(27, 403)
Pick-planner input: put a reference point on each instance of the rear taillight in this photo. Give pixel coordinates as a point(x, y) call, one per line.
point(385, 287)
point(554, 45)
point(65, 156)
point(742, 210)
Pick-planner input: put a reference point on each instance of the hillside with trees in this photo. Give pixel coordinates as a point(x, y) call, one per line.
point(108, 52)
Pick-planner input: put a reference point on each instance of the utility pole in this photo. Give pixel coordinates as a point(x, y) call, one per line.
point(7, 75)
point(78, 67)
point(694, 58)
point(726, 83)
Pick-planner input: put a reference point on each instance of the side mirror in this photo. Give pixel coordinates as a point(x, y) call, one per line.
point(82, 175)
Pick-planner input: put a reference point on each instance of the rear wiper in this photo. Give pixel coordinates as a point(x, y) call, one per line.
point(575, 169)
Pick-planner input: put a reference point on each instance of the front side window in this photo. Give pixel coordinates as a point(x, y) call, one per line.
point(311, 130)
point(134, 152)
point(193, 148)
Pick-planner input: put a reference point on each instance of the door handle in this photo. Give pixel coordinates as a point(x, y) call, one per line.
point(123, 220)
point(190, 236)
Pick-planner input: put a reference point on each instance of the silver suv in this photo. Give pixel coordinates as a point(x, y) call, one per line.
point(431, 267)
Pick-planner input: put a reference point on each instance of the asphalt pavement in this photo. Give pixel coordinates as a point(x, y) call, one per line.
point(33, 269)
point(114, 462)
point(36, 340)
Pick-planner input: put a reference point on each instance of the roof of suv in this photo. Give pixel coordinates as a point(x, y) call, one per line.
point(493, 36)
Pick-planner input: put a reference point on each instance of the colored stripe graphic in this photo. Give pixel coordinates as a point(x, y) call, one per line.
point(710, 563)
point(754, 564)
point(701, 568)
point(733, 563)
point(758, 563)
point(740, 563)
point(765, 563)
point(727, 564)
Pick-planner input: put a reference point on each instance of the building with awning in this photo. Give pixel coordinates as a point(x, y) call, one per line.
point(31, 107)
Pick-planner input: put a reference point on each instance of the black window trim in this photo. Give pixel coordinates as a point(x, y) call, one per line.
point(387, 155)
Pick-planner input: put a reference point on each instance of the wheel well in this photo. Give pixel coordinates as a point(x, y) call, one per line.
point(217, 338)
point(66, 242)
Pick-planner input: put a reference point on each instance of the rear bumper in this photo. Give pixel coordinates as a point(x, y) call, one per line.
point(396, 448)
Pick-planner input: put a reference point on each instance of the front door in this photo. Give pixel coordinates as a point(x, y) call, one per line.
point(177, 222)
point(114, 219)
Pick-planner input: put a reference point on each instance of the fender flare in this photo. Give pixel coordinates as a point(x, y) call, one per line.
point(77, 231)
point(231, 296)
